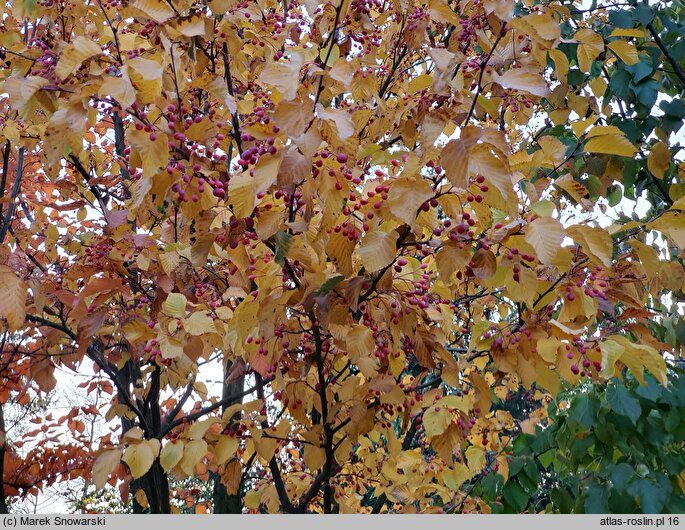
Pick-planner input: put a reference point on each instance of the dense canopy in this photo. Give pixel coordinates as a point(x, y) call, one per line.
point(344, 256)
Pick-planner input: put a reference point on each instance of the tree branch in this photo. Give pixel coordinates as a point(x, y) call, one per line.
point(173, 423)
point(483, 66)
point(286, 505)
point(674, 64)
point(13, 195)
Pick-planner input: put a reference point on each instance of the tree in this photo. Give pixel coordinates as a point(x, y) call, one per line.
point(375, 219)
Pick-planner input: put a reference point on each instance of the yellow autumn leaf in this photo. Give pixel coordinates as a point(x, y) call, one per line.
point(340, 118)
point(241, 194)
point(596, 243)
point(193, 452)
point(199, 323)
point(22, 89)
point(342, 71)
point(406, 196)
point(547, 348)
point(628, 32)
point(601, 130)
point(545, 235)
point(561, 64)
point(199, 428)
point(120, 89)
point(524, 79)
point(104, 466)
point(169, 261)
point(475, 458)
point(436, 419)
point(73, 56)
point(611, 144)
point(590, 46)
point(225, 448)
point(659, 159)
point(170, 347)
point(462, 403)
point(171, 454)
point(575, 189)
point(13, 298)
point(455, 161)
point(450, 258)
point(140, 457)
point(671, 223)
point(493, 165)
point(158, 10)
point(191, 26)
point(283, 76)
point(314, 457)
point(148, 69)
point(154, 154)
point(456, 476)
point(637, 357)
point(624, 51)
point(360, 341)
point(378, 249)
point(175, 305)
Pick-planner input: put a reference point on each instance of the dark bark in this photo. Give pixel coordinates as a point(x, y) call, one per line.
point(3, 445)
point(221, 500)
point(155, 483)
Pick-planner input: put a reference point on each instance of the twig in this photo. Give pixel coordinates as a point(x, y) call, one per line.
point(13, 195)
point(173, 423)
point(676, 68)
point(483, 66)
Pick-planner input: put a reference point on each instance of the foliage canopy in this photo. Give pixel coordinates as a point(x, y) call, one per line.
point(388, 226)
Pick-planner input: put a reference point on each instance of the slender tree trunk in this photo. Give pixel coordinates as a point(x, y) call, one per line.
point(222, 501)
point(3, 445)
point(124, 381)
point(155, 483)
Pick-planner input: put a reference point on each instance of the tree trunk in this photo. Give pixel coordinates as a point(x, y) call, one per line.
point(3, 445)
point(155, 483)
point(221, 500)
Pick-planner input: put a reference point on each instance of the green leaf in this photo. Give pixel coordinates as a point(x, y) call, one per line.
point(622, 402)
point(640, 71)
point(583, 411)
point(283, 241)
point(562, 500)
point(596, 499)
point(620, 84)
point(647, 92)
point(643, 14)
point(606, 433)
point(330, 284)
point(621, 18)
point(675, 108)
point(651, 390)
point(614, 195)
point(620, 474)
point(515, 495)
point(652, 494)
point(547, 457)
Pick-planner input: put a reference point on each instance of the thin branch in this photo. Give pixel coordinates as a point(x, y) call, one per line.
point(286, 505)
point(235, 122)
point(674, 64)
point(483, 66)
point(5, 170)
point(406, 444)
point(13, 195)
point(173, 423)
point(182, 400)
